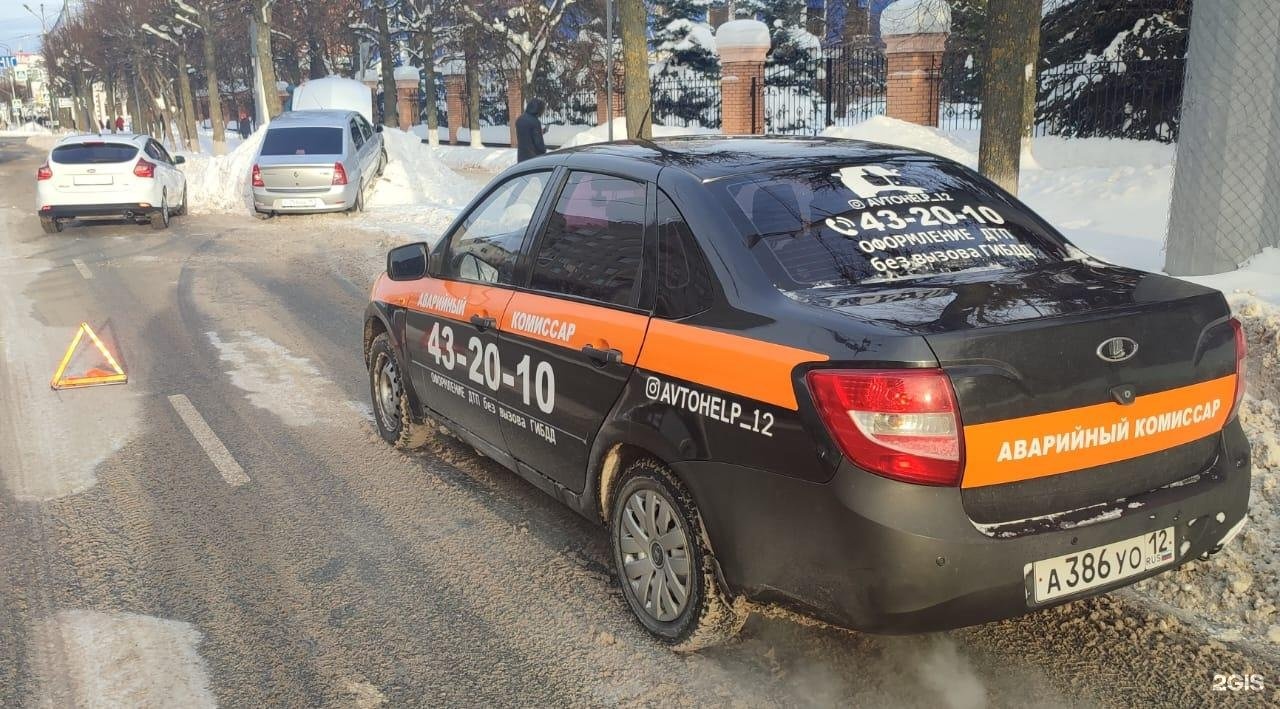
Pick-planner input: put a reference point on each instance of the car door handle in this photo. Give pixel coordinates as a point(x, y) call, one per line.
point(482, 323)
point(602, 357)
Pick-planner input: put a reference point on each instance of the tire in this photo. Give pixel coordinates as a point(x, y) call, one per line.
point(359, 205)
point(182, 208)
point(382, 162)
point(651, 506)
point(160, 218)
point(50, 225)
point(390, 397)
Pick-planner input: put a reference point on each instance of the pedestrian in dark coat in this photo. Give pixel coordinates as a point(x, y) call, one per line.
point(529, 131)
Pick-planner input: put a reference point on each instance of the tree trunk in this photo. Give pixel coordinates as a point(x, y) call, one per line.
point(1004, 84)
point(390, 117)
point(473, 100)
point(266, 61)
point(316, 68)
point(188, 102)
point(637, 96)
point(217, 122)
point(110, 84)
point(429, 77)
point(1032, 71)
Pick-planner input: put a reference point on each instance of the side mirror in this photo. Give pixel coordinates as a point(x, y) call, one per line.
point(407, 263)
point(377, 128)
point(178, 159)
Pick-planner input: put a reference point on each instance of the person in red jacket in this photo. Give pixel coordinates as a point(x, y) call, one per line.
point(119, 124)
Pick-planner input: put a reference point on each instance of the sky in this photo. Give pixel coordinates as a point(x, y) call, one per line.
point(18, 29)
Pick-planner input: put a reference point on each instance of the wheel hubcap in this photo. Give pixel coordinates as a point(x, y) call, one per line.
point(655, 554)
point(387, 387)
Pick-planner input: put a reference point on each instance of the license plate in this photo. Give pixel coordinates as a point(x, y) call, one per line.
point(300, 203)
point(1090, 568)
point(91, 179)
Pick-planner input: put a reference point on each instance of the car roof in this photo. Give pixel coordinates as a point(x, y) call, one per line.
point(80, 138)
point(708, 157)
point(319, 118)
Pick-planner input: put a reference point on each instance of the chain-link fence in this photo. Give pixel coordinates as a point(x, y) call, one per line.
point(1227, 170)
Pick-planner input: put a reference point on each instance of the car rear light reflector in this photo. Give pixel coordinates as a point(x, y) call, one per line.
point(144, 168)
point(257, 177)
point(339, 174)
point(903, 423)
point(1242, 352)
point(44, 173)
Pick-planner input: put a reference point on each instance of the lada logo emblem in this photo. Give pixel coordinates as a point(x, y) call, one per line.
point(1117, 349)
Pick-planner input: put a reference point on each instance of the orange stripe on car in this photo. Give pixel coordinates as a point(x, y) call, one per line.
point(574, 325)
point(739, 365)
point(1075, 439)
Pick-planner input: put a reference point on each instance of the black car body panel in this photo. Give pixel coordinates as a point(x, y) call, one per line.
point(703, 361)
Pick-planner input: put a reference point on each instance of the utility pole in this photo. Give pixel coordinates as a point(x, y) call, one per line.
point(608, 66)
point(48, 70)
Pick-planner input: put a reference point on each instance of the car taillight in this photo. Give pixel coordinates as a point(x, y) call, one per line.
point(44, 173)
point(257, 177)
point(902, 424)
point(339, 174)
point(144, 168)
point(1242, 351)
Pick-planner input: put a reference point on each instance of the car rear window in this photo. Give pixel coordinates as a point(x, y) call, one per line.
point(841, 225)
point(302, 141)
point(94, 153)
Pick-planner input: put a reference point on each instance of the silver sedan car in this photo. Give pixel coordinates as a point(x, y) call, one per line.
point(317, 161)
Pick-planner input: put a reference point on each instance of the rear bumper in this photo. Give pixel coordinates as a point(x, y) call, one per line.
point(876, 555)
point(75, 211)
point(334, 199)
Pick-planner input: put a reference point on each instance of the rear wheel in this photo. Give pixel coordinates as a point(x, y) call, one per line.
point(359, 204)
point(661, 558)
point(50, 225)
point(391, 411)
point(160, 217)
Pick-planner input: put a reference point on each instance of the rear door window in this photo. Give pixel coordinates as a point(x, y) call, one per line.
point(357, 136)
point(684, 280)
point(94, 153)
point(302, 141)
point(841, 225)
point(593, 245)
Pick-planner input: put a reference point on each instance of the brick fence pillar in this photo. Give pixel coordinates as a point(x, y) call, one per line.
point(915, 37)
point(455, 80)
point(742, 46)
point(407, 78)
point(619, 94)
point(515, 101)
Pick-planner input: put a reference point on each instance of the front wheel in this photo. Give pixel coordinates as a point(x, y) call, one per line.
point(661, 559)
point(391, 411)
point(382, 162)
point(182, 208)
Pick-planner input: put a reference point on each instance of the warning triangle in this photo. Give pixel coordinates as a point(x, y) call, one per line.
point(87, 363)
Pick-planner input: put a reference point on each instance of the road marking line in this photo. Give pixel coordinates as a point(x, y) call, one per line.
point(208, 440)
point(83, 269)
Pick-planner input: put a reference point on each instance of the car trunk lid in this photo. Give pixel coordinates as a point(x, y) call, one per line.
point(1078, 383)
point(290, 173)
point(93, 167)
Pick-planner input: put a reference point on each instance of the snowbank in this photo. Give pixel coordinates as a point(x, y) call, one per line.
point(414, 175)
point(600, 133)
point(221, 184)
point(461, 157)
point(26, 129)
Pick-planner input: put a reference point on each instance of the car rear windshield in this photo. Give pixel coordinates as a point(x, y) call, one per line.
point(846, 225)
point(302, 141)
point(94, 153)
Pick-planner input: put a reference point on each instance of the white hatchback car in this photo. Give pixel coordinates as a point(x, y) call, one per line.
point(111, 176)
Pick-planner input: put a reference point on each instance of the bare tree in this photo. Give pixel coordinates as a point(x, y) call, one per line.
point(261, 24)
point(527, 26)
point(386, 52)
point(1004, 87)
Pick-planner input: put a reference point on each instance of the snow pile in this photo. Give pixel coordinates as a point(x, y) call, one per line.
point(916, 17)
point(221, 183)
point(1237, 590)
point(414, 175)
point(468, 159)
point(1258, 277)
point(28, 128)
point(600, 133)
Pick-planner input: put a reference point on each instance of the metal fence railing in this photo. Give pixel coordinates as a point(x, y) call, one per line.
point(687, 101)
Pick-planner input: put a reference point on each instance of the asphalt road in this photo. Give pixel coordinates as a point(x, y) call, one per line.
point(228, 529)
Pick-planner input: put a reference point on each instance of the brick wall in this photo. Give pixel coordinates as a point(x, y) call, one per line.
point(913, 85)
point(515, 102)
point(742, 109)
point(453, 85)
